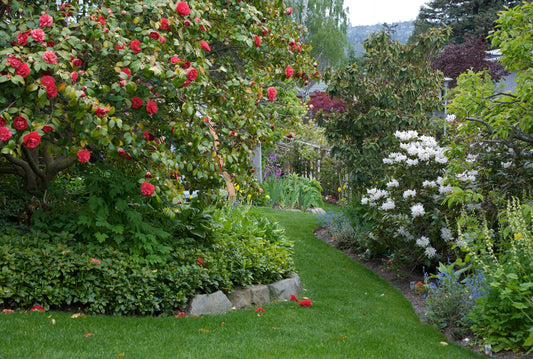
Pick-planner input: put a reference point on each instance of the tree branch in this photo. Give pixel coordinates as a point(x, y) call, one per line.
point(489, 128)
point(34, 165)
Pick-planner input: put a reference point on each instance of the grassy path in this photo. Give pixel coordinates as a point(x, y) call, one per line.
point(355, 314)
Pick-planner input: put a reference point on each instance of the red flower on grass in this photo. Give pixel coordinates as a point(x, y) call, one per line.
point(45, 20)
point(260, 309)
point(50, 57)
point(37, 308)
point(84, 156)
point(293, 298)
point(272, 93)
point(205, 45)
point(136, 102)
point(181, 315)
point(32, 139)
point(305, 303)
point(147, 189)
point(151, 107)
point(20, 123)
point(183, 8)
point(5, 134)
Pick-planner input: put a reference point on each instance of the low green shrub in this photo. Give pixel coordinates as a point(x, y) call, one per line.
point(61, 272)
point(504, 316)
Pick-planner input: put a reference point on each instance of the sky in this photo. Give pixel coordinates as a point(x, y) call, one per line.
point(370, 12)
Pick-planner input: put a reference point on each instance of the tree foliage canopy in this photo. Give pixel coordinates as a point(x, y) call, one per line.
point(326, 24)
point(396, 90)
point(183, 91)
point(467, 18)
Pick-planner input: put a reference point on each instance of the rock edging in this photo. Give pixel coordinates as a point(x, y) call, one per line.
point(218, 302)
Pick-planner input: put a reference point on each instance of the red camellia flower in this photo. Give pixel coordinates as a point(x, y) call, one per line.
point(45, 20)
point(32, 139)
point(101, 20)
point(48, 81)
point(20, 123)
point(126, 71)
point(51, 91)
point(84, 156)
point(205, 45)
point(183, 8)
point(37, 35)
point(14, 62)
point(147, 189)
point(186, 64)
point(135, 46)
point(154, 35)
point(23, 70)
point(120, 46)
point(2, 121)
point(164, 24)
point(181, 315)
point(272, 93)
point(289, 71)
point(48, 129)
point(192, 74)
point(288, 11)
point(151, 107)
point(306, 303)
point(200, 261)
point(260, 309)
point(174, 60)
point(74, 76)
point(101, 111)
point(65, 6)
point(5, 134)
point(293, 298)
point(187, 23)
point(148, 136)
point(148, 175)
point(76, 62)
point(50, 57)
point(22, 38)
point(37, 308)
point(136, 102)
point(50, 43)
point(257, 40)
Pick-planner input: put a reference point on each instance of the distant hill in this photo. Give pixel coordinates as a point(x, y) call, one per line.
point(357, 34)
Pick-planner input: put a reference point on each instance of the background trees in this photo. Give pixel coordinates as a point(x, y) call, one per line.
point(324, 25)
point(397, 90)
point(467, 18)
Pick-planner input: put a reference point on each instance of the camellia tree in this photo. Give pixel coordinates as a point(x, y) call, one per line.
point(175, 92)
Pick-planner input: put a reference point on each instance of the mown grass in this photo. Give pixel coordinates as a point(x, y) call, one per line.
point(355, 314)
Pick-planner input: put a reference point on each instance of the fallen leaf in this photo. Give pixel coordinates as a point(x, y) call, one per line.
point(120, 355)
point(74, 316)
point(87, 335)
point(7, 311)
point(223, 324)
point(53, 321)
point(205, 331)
point(276, 327)
point(443, 343)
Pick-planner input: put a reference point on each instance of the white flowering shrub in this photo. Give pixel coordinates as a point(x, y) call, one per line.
point(411, 222)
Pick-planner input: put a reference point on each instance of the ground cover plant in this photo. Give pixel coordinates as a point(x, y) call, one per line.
point(57, 271)
point(353, 314)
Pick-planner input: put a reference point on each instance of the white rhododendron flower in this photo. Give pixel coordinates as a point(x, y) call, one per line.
point(417, 210)
point(409, 193)
point(422, 242)
point(430, 252)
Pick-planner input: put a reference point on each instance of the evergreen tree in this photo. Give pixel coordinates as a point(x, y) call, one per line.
point(467, 18)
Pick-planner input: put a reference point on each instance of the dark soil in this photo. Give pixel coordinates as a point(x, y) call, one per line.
point(401, 279)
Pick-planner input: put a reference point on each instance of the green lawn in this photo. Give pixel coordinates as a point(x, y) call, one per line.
point(355, 314)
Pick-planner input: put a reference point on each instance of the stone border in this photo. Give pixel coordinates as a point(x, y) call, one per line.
point(218, 302)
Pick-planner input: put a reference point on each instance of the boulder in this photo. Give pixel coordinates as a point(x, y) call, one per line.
point(209, 304)
point(260, 294)
point(283, 289)
point(241, 297)
point(315, 210)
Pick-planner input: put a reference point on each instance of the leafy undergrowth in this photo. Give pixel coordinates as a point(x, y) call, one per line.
point(354, 314)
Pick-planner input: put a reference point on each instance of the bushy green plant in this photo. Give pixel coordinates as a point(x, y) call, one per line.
point(504, 315)
point(293, 191)
point(61, 272)
point(106, 208)
point(409, 221)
